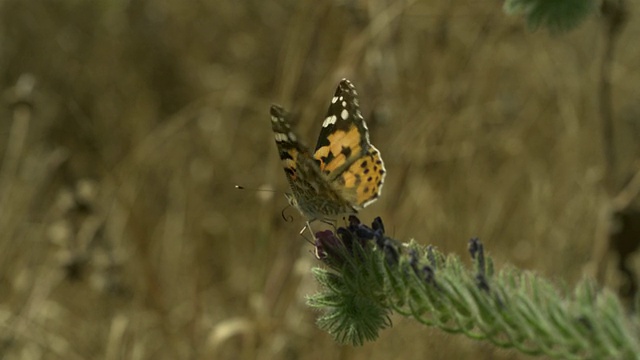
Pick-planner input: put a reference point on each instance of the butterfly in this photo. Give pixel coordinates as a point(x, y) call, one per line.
point(344, 174)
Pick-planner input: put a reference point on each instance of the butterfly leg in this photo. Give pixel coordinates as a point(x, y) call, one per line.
point(330, 222)
point(313, 236)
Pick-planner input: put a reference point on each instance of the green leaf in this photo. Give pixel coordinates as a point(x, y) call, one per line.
point(556, 15)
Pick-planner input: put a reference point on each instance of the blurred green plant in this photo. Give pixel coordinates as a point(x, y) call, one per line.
point(556, 15)
point(370, 275)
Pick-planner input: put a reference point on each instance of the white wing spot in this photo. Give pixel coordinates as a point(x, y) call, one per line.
point(280, 137)
point(292, 136)
point(330, 120)
point(344, 114)
point(334, 100)
point(344, 104)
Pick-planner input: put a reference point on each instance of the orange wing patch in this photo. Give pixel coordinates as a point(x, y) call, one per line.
point(343, 147)
point(362, 181)
point(290, 163)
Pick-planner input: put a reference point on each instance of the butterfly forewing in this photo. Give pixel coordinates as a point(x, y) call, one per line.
point(344, 136)
point(289, 149)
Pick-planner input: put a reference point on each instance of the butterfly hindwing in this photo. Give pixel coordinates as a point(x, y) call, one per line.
point(363, 179)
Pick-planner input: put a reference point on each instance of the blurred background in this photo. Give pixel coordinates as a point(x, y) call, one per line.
point(126, 124)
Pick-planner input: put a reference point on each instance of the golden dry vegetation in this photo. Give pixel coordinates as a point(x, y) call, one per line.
point(126, 124)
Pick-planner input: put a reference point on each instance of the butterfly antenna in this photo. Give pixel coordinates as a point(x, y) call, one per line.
point(240, 187)
point(267, 189)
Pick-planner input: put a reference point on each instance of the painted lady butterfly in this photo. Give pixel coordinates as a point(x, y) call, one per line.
point(344, 174)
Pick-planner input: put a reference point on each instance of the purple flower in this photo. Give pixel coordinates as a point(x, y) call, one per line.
point(333, 248)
